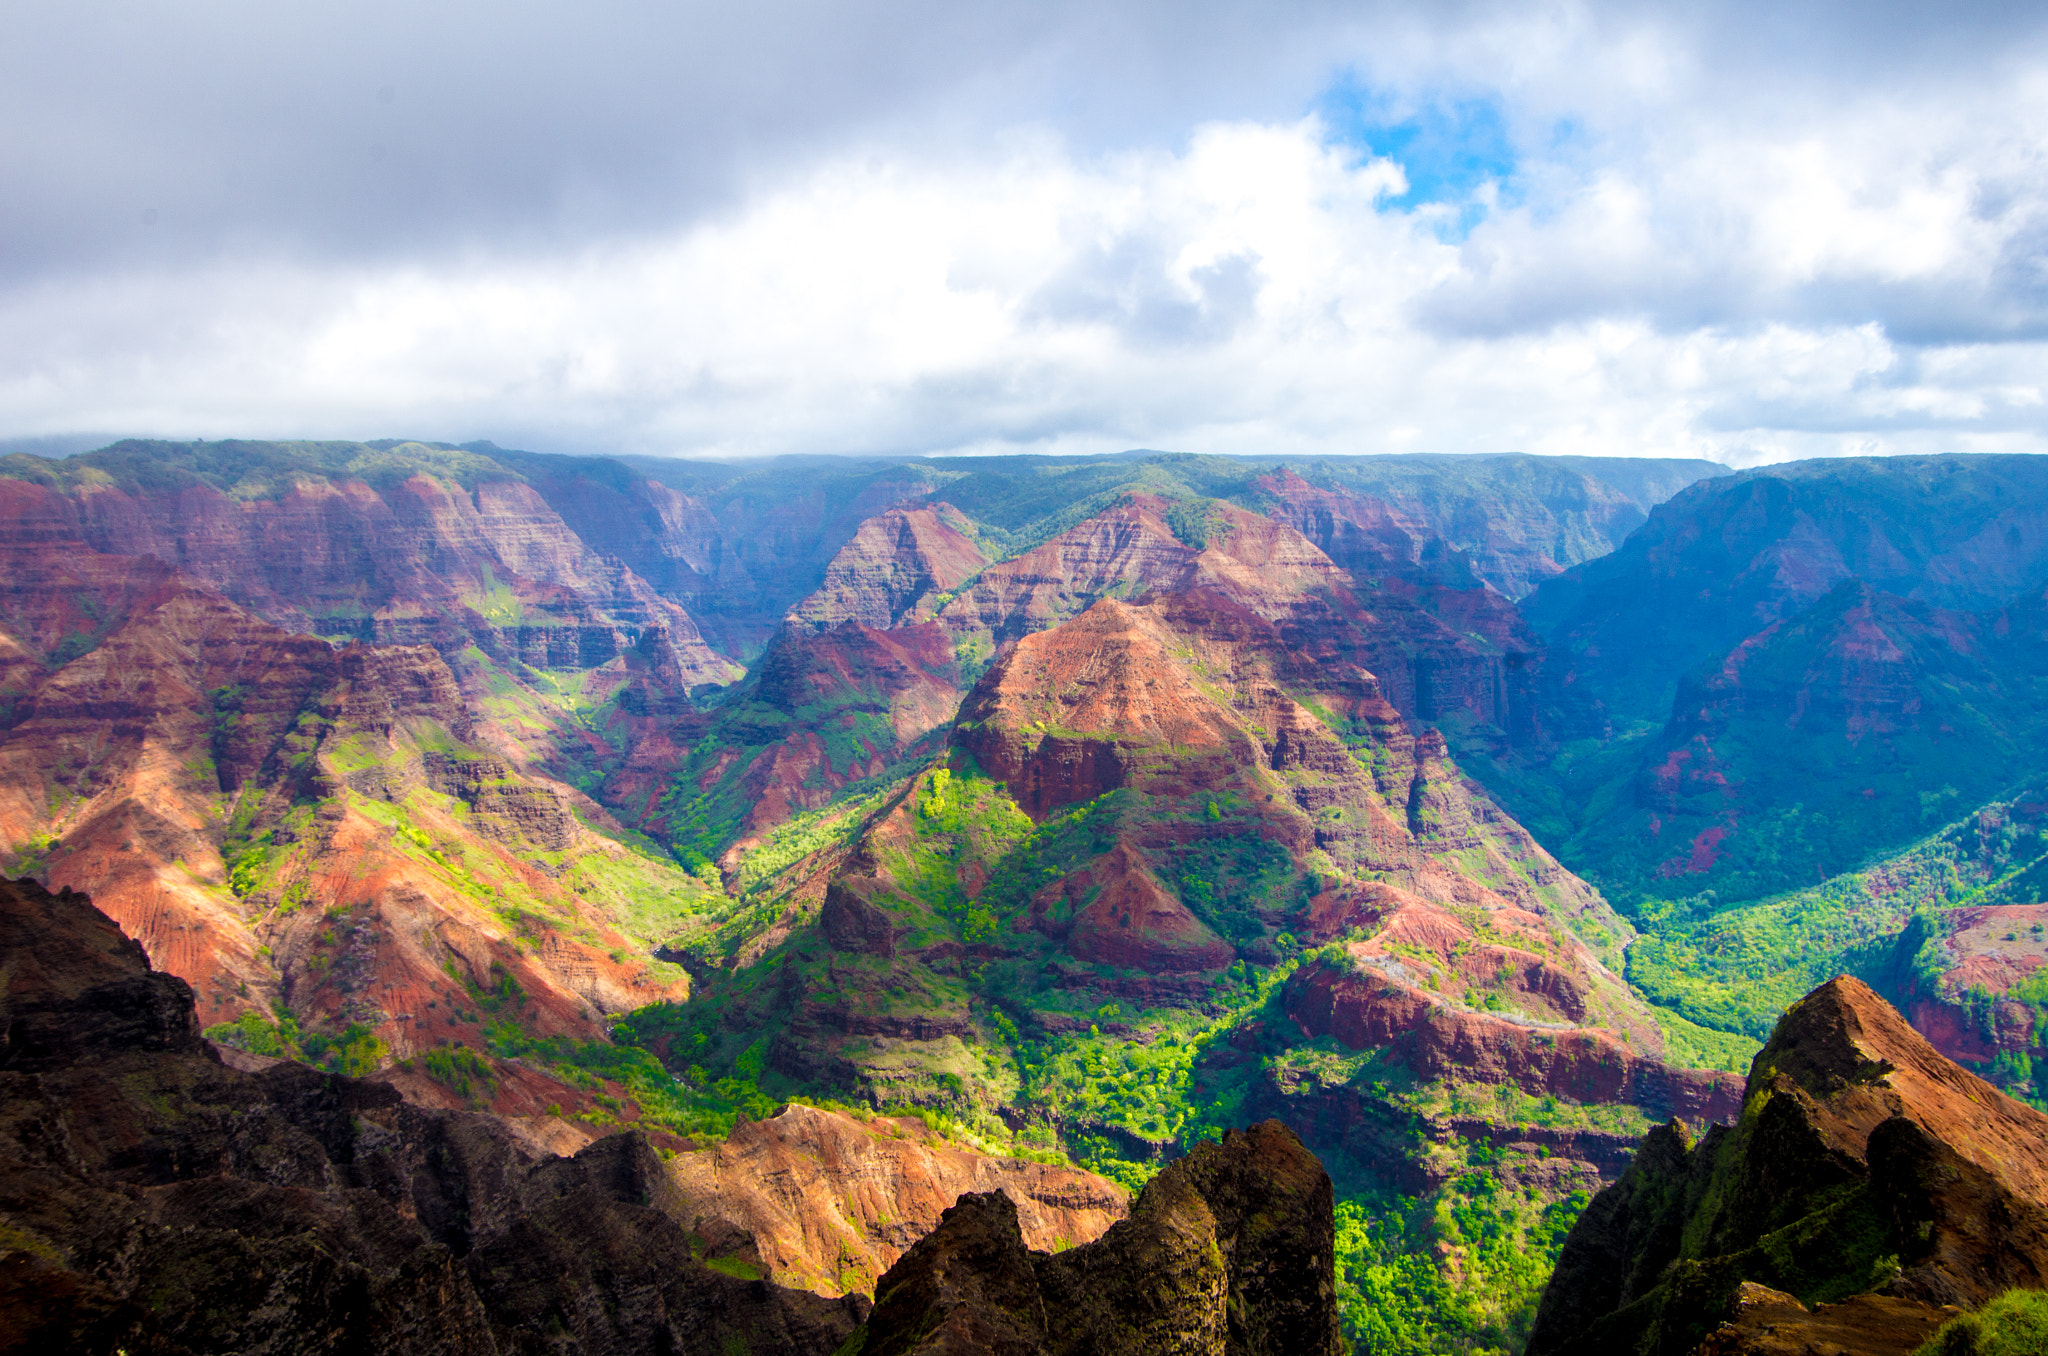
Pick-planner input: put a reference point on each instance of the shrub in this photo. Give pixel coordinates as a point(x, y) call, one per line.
point(2014, 1324)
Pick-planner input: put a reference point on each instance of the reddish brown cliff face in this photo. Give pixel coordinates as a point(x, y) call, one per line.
point(901, 564)
point(887, 689)
point(1440, 640)
point(1066, 715)
point(827, 1203)
point(422, 560)
point(1127, 550)
point(823, 709)
point(1374, 1004)
point(1243, 799)
point(1116, 912)
point(1193, 696)
point(385, 868)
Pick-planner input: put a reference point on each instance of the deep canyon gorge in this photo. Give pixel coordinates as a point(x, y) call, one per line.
point(477, 900)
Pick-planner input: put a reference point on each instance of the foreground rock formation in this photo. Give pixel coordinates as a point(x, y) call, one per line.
point(1228, 1250)
point(152, 1199)
point(1866, 1168)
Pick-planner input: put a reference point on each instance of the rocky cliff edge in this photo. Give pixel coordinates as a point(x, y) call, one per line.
point(1871, 1185)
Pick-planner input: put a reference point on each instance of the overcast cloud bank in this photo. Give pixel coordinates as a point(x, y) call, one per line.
point(1786, 231)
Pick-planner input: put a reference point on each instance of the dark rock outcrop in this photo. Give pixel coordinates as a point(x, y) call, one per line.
point(1865, 1164)
point(153, 1200)
point(1229, 1250)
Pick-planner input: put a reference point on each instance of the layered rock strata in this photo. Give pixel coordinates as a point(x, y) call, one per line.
point(460, 550)
point(904, 563)
point(279, 820)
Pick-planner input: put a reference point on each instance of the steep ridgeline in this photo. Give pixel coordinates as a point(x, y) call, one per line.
point(1516, 520)
point(1427, 666)
point(740, 544)
point(900, 566)
point(737, 544)
point(1787, 671)
point(1089, 928)
point(600, 602)
point(152, 1199)
point(316, 836)
point(855, 682)
point(1870, 1188)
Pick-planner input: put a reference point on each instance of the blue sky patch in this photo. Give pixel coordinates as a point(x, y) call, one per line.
point(1448, 148)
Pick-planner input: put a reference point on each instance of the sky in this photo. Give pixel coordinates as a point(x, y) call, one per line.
point(1744, 231)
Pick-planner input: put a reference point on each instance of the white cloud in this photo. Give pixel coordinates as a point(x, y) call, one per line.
point(1700, 254)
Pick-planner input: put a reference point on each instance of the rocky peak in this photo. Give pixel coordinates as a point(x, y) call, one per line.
point(1227, 1252)
point(898, 562)
point(1858, 1064)
point(75, 988)
point(1864, 1163)
point(1125, 549)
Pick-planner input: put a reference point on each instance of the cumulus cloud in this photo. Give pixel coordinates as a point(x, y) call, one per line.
point(1758, 233)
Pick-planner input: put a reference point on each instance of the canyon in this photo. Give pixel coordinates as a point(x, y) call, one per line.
point(865, 837)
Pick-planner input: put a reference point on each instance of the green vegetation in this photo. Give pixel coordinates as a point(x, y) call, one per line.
point(659, 1100)
point(1734, 968)
point(462, 1071)
point(1081, 1072)
point(790, 842)
point(2013, 1324)
point(708, 799)
point(2020, 1073)
point(249, 470)
point(1692, 1046)
point(32, 857)
point(1397, 1296)
point(353, 1050)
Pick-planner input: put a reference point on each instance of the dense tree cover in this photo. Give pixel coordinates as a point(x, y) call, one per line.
point(1457, 1274)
